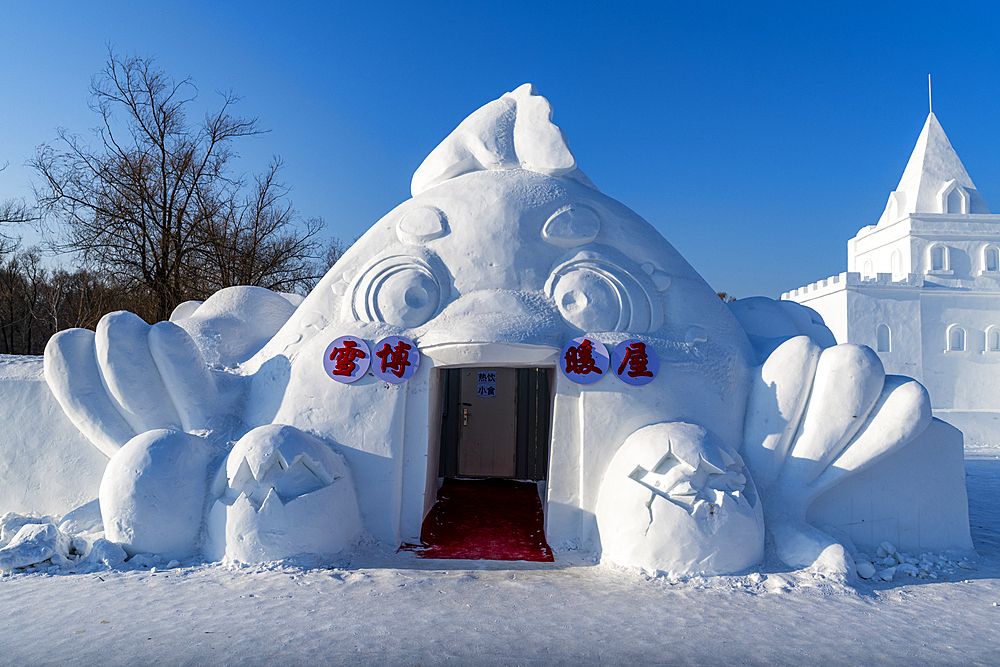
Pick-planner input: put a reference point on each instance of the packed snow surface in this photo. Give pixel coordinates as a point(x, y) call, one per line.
point(386, 608)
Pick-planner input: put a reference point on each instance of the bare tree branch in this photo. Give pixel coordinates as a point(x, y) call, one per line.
point(155, 202)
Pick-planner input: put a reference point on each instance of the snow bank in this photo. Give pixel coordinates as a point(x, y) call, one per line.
point(47, 466)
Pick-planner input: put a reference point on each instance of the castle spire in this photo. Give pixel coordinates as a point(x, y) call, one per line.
point(932, 176)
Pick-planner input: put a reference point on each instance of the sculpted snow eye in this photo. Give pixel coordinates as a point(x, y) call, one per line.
point(595, 295)
point(401, 290)
point(422, 224)
point(572, 226)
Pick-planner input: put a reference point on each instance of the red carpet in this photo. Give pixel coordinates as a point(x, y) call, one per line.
point(489, 519)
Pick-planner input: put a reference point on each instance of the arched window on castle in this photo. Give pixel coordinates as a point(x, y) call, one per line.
point(991, 259)
point(993, 339)
point(895, 264)
point(883, 339)
point(956, 203)
point(953, 198)
point(956, 339)
point(939, 257)
point(867, 273)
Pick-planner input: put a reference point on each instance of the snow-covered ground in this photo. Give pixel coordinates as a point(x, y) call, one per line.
point(387, 608)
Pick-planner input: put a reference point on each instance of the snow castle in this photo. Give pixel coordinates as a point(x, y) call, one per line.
point(253, 428)
point(922, 288)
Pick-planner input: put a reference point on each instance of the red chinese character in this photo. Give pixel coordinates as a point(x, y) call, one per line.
point(636, 359)
point(345, 357)
point(580, 360)
point(395, 359)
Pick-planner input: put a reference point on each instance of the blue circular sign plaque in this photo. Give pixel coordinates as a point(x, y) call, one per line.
point(584, 360)
point(635, 362)
point(395, 359)
point(346, 359)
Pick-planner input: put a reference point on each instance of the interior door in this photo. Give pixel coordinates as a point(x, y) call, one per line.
point(487, 440)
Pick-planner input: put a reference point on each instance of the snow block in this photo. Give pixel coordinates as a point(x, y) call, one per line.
point(915, 498)
point(281, 493)
point(153, 493)
point(47, 465)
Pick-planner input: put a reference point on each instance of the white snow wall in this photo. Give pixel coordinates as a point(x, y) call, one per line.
point(915, 499)
point(46, 465)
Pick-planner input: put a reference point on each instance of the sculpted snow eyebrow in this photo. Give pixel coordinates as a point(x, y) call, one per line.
point(508, 260)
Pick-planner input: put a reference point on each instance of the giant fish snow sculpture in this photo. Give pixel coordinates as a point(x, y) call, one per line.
point(505, 252)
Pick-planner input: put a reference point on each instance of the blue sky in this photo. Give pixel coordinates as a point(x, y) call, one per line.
point(756, 139)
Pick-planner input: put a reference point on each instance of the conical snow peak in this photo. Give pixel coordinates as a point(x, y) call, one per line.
point(935, 180)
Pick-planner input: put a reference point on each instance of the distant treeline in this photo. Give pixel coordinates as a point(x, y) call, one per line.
point(36, 302)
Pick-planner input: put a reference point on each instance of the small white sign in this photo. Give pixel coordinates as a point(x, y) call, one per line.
point(486, 384)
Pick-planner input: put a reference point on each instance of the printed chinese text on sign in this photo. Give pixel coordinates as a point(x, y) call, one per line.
point(634, 362)
point(584, 360)
point(396, 359)
point(347, 359)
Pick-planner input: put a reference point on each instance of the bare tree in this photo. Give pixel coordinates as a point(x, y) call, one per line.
point(13, 212)
point(254, 241)
point(16, 212)
point(156, 206)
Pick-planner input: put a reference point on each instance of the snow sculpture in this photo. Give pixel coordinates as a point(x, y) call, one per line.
point(280, 493)
point(130, 378)
point(816, 417)
point(505, 253)
point(671, 480)
point(153, 493)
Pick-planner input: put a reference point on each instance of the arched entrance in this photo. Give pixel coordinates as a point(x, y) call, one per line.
point(492, 467)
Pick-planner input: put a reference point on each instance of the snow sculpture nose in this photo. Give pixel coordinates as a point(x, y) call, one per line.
point(496, 326)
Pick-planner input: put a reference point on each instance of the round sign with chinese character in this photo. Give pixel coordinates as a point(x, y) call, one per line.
point(584, 360)
point(347, 359)
point(395, 359)
point(634, 362)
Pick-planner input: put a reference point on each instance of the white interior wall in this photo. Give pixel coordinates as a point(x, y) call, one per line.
point(435, 405)
point(414, 461)
point(563, 518)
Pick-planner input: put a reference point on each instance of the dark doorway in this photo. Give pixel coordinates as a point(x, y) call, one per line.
point(495, 423)
point(494, 451)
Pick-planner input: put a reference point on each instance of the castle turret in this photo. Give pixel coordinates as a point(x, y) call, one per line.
point(934, 181)
point(922, 287)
